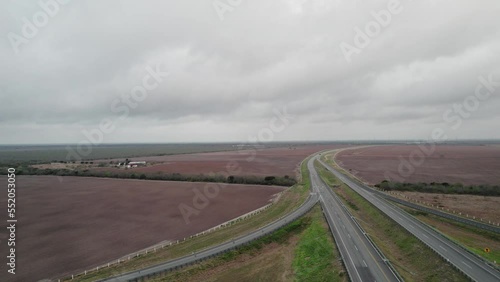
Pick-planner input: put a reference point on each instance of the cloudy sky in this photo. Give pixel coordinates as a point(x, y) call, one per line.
point(343, 70)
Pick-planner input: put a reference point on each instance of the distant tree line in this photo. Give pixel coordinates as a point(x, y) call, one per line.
point(128, 174)
point(442, 188)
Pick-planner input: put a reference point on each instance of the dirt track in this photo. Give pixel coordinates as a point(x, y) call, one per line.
point(453, 164)
point(69, 226)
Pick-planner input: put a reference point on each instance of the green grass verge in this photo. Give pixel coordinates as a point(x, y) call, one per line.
point(290, 200)
point(281, 236)
point(412, 259)
point(316, 253)
point(472, 238)
point(329, 178)
point(314, 257)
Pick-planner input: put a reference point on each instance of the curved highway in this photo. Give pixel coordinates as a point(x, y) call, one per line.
point(361, 259)
point(440, 213)
point(474, 267)
point(475, 223)
point(219, 249)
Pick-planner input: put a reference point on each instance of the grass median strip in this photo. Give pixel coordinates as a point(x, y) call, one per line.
point(413, 260)
point(300, 251)
point(290, 200)
point(316, 257)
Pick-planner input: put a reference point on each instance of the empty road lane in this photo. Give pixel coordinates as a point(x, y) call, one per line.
point(361, 259)
point(471, 265)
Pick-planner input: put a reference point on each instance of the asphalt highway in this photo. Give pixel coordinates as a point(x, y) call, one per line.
point(467, 221)
point(360, 257)
point(219, 249)
point(362, 260)
point(470, 264)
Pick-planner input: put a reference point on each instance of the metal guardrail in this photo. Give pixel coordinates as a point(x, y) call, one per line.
point(477, 224)
point(330, 226)
point(470, 222)
point(365, 234)
point(166, 244)
point(378, 193)
point(460, 246)
point(306, 206)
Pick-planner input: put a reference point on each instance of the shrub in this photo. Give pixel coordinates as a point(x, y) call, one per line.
point(443, 188)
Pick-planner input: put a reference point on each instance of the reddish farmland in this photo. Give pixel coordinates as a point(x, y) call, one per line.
point(67, 226)
point(453, 164)
point(263, 162)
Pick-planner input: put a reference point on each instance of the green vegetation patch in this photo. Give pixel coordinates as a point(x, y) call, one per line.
point(126, 174)
point(413, 260)
point(328, 177)
point(441, 188)
point(315, 254)
point(314, 257)
point(280, 236)
point(474, 239)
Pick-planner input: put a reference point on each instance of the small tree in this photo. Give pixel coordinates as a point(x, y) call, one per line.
point(269, 178)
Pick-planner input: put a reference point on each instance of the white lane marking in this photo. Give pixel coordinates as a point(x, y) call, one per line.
point(366, 265)
point(348, 235)
point(392, 208)
point(356, 248)
point(442, 248)
point(467, 265)
point(410, 225)
point(346, 250)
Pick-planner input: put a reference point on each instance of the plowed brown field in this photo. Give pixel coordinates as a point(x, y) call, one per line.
point(69, 224)
point(453, 164)
point(262, 162)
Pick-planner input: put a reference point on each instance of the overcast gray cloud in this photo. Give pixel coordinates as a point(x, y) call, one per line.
point(228, 69)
